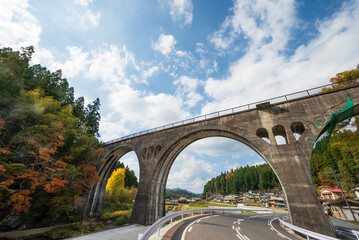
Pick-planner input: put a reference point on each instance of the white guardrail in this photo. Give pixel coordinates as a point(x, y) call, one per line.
point(168, 218)
point(348, 233)
point(306, 232)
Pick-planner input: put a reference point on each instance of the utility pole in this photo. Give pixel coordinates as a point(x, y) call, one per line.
point(341, 190)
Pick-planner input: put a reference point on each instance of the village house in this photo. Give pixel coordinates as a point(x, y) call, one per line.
point(330, 194)
point(339, 209)
point(278, 202)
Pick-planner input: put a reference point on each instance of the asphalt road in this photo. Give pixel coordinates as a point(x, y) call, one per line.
point(230, 226)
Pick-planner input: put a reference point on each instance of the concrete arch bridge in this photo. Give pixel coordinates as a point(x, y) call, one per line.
point(293, 117)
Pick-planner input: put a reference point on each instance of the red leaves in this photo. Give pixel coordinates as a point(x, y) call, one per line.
point(2, 169)
point(55, 185)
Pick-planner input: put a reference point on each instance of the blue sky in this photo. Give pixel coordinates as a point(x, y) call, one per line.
point(153, 62)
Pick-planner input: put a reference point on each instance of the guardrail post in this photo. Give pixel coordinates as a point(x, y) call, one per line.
point(192, 214)
point(139, 236)
point(182, 216)
point(171, 221)
point(158, 232)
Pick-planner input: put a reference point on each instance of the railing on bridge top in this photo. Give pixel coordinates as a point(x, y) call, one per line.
point(284, 98)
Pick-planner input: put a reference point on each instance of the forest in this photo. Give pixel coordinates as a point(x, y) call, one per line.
point(48, 144)
point(260, 177)
point(337, 151)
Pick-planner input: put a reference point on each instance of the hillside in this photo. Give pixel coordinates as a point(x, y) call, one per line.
point(178, 192)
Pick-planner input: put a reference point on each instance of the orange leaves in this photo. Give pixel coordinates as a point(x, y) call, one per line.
point(6, 183)
point(61, 164)
point(44, 154)
point(2, 169)
point(20, 201)
point(4, 151)
point(55, 185)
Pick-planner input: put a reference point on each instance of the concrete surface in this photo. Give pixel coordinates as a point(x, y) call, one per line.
point(129, 232)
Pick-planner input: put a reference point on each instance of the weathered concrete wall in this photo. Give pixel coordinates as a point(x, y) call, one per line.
point(157, 151)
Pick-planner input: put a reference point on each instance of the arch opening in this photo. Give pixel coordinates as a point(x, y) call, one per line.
point(263, 134)
point(204, 161)
point(121, 184)
point(280, 135)
point(297, 129)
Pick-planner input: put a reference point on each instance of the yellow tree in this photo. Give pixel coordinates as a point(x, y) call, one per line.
point(116, 181)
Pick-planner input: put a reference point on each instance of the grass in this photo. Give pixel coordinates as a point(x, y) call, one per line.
point(168, 207)
point(74, 230)
point(220, 205)
point(196, 207)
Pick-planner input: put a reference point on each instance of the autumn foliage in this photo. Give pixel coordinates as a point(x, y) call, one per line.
point(48, 144)
point(116, 180)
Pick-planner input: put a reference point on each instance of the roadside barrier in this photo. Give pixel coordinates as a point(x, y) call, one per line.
point(306, 232)
point(349, 233)
point(169, 218)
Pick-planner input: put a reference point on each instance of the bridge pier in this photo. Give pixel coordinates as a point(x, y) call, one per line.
point(293, 172)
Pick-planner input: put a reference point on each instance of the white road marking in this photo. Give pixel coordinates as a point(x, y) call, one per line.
point(240, 237)
point(189, 230)
point(190, 226)
point(233, 227)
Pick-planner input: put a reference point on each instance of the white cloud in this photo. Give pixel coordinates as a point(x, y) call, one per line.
point(200, 48)
point(18, 26)
point(76, 63)
point(146, 110)
point(260, 21)
point(190, 173)
point(218, 146)
point(186, 89)
point(263, 72)
point(83, 2)
point(130, 160)
point(76, 16)
point(181, 11)
point(118, 70)
point(165, 44)
point(258, 163)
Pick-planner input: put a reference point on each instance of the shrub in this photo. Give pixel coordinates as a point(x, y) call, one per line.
point(123, 219)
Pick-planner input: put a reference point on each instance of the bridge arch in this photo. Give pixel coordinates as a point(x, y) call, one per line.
point(167, 159)
point(96, 194)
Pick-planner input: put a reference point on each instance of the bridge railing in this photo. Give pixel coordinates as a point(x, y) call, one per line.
point(283, 98)
point(168, 218)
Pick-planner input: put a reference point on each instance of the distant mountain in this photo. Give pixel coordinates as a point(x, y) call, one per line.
point(178, 192)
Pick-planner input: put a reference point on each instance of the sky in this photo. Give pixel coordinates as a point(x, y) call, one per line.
point(154, 62)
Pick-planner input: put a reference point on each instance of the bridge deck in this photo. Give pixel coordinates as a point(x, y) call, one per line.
point(276, 100)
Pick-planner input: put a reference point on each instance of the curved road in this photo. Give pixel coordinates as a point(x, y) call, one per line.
point(230, 226)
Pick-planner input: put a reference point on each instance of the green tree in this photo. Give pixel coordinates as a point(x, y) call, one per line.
point(46, 152)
